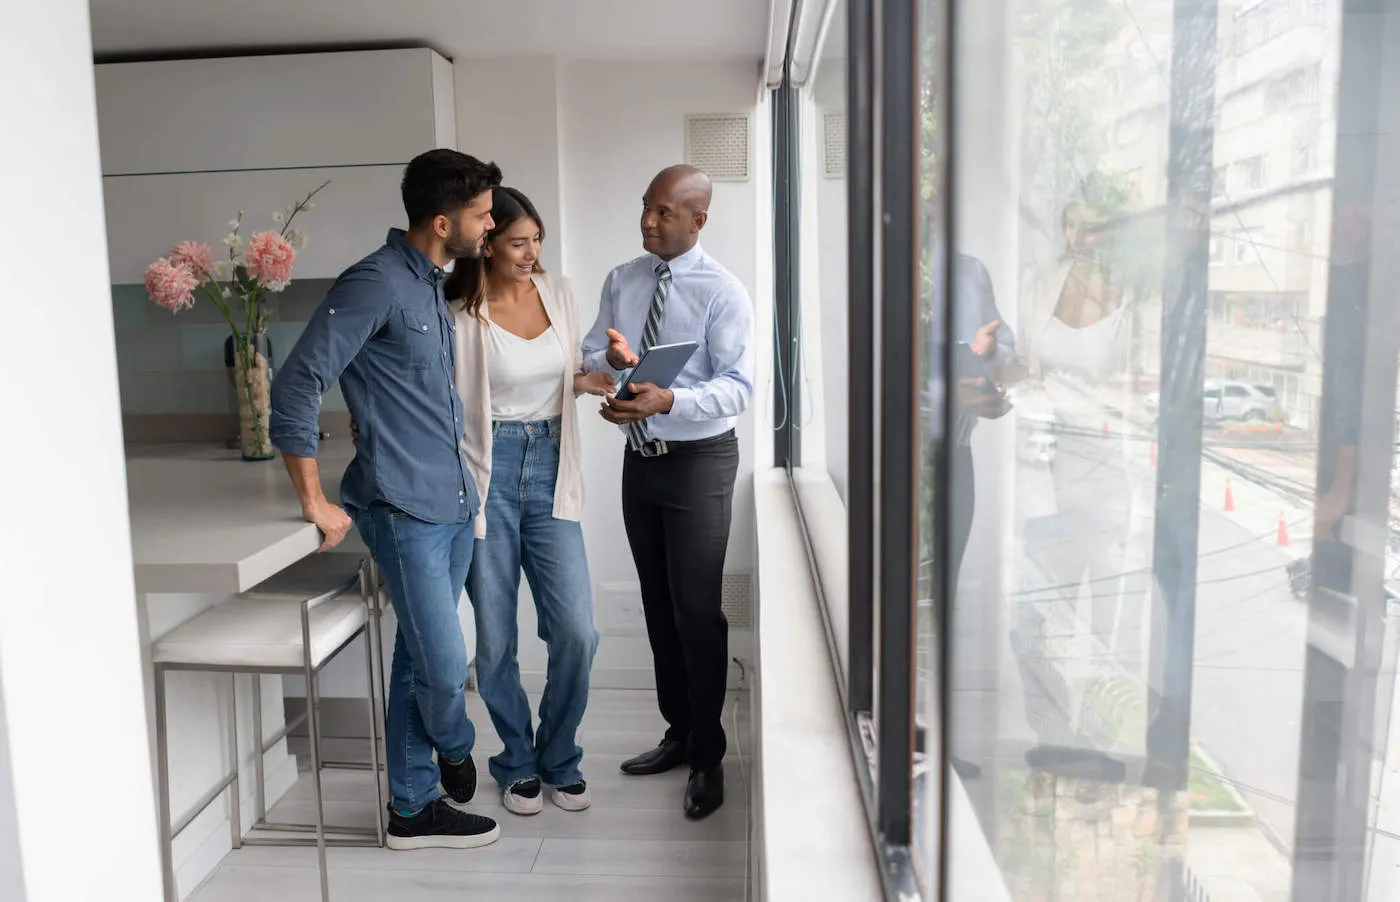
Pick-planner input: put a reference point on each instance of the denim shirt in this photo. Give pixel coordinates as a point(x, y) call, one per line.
point(973, 306)
point(385, 332)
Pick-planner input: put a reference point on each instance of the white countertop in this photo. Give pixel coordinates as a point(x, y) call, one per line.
point(205, 521)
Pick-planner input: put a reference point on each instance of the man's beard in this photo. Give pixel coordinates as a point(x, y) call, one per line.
point(458, 249)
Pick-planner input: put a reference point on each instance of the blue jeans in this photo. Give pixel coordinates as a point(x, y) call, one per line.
point(424, 566)
point(521, 532)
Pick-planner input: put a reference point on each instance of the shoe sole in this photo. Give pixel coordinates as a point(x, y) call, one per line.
point(570, 802)
point(449, 796)
point(514, 806)
point(416, 843)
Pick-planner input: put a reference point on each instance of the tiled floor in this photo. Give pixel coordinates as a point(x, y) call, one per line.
point(633, 844)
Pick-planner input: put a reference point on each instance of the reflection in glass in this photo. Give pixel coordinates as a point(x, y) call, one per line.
point(1166, 682)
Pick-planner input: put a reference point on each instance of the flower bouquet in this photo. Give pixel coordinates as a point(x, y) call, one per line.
point(241, 287)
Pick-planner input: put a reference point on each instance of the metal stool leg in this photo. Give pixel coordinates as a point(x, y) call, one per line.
point(235, 807)
point(260, 787)
point(374, 742)
point(313, 728)
point(167, 851)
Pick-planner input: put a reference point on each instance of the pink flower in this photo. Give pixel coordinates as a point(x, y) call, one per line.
point(170, 285)
point(269, 260)
point(194, 256)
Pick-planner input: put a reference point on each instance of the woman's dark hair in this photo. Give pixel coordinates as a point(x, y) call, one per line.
point(441, 182)
point(467, 283)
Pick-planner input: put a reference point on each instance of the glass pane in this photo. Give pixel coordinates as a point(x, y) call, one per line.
point(1173, 647)
point(932, 269)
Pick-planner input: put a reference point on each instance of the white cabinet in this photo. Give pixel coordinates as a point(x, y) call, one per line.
point(147, 214)
point(188, 143)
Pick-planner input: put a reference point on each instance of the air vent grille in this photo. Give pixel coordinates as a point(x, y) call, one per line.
point(719, 145)
point(736, 600)
point(834, 144)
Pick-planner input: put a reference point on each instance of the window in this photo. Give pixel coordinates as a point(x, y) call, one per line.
point(1095, 586)
point(1303, 159)
point(1247, 175)
point(1246, 245)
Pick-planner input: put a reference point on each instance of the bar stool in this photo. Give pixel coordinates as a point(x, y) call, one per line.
point(273, 632)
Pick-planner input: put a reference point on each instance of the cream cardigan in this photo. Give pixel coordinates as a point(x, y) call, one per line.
point(474, 385)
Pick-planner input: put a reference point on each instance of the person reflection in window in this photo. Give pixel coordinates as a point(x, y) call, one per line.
point(1072, 327)
point(983, 346)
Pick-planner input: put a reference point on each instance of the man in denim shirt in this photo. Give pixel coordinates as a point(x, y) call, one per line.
point(385, 333)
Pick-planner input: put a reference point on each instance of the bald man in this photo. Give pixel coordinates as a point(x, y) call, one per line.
point(680, 462)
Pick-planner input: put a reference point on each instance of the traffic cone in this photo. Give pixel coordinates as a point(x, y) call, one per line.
point(1105, 428)
point(1282, 530)
point(1229, 497)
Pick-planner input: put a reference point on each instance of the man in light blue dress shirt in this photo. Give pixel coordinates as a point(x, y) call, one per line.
point(681, 460)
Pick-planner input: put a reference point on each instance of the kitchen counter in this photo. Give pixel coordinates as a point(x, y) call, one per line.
point(205, 521)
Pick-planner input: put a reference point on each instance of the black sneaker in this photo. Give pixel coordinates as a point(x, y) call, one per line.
point(440, 826)
point(459, 780)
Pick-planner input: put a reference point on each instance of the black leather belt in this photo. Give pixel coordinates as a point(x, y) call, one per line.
point(657, 447)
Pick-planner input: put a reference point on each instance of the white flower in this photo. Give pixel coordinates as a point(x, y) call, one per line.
point(277, 216)
point(233, 224)
point(225, 292)
point(297, 238)
point(275, 286)
point(309, 207)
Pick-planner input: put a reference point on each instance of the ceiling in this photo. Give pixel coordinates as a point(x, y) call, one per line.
point(582, 29)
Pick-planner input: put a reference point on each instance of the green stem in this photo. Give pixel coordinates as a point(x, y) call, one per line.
point(215, 296)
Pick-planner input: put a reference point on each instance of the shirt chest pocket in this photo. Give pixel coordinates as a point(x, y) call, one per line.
point(417, 337)
point(676, 329)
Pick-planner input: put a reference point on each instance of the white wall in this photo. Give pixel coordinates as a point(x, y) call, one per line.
point(620, 126)
point(583, 139)
point(826, 218)
point(70, 662)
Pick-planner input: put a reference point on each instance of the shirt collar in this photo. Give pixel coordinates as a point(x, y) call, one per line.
point(684, 263)
point(417, 261)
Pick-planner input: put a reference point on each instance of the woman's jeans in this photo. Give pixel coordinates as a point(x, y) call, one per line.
point(522, 533)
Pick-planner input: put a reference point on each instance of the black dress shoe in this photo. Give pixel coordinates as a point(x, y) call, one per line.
point(704, 793)
point(666, 756)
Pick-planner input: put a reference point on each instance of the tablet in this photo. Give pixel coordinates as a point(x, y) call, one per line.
point(659, 365)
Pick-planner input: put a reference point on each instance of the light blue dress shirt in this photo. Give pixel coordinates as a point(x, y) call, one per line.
point(705, 304)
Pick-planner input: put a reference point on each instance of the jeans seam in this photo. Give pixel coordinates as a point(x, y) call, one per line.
point(413, 674)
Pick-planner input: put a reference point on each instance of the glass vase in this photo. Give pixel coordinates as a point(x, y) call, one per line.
point(252, 378)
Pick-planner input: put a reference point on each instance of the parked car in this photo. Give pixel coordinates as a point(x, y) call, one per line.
point(1229, 400)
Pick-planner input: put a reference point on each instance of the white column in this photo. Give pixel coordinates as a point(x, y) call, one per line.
point(73, 718)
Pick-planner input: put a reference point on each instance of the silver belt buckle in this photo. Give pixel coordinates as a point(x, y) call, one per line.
point(653, 448)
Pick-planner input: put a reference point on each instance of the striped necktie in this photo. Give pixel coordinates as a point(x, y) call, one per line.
point(637, 433)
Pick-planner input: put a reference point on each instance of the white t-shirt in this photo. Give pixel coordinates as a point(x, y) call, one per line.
point(526, 384)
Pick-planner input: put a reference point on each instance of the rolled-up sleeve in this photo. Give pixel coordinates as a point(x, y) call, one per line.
point(595, 343)
point(356, 308)
point(730, 340)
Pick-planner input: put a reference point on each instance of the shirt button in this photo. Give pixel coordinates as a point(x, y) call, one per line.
point(332, 311)
point(425, 328)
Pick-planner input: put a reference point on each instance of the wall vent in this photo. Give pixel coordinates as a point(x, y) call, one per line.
point(719, 146)
point(736, 600)
point(834, 144)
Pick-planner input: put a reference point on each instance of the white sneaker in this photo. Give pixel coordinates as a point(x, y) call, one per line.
point(572, 798)
point(523, 797)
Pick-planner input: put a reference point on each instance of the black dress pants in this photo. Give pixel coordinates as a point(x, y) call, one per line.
point(677, 509)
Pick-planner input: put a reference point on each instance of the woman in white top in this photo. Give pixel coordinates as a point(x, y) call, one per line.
point(1071, 329)
point(518, 375)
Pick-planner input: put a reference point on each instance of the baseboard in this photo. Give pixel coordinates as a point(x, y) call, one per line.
point(207, 857)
